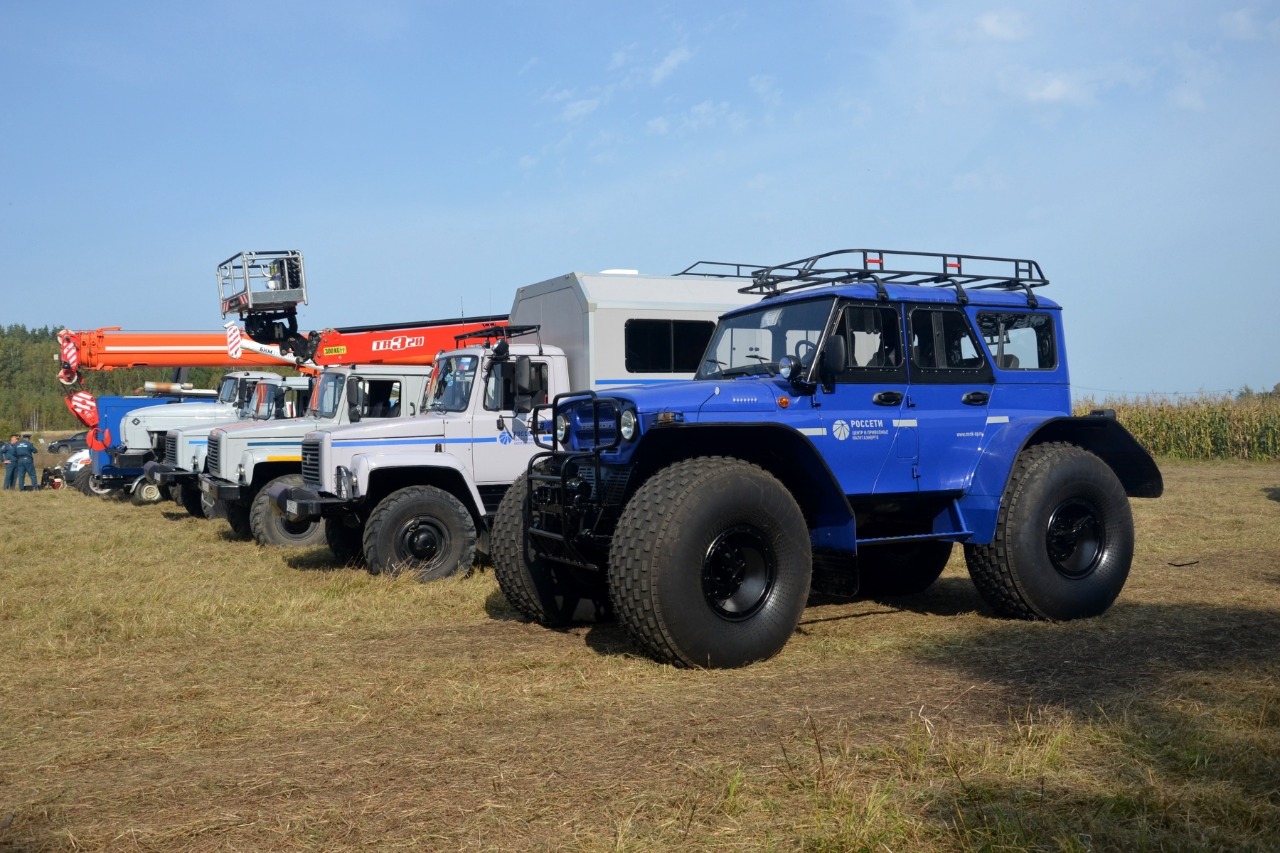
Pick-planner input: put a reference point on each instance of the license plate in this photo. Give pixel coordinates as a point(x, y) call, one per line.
point(206, 486)
point(291, 507)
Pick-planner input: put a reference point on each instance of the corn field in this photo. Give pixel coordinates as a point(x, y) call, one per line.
point(1209, 427)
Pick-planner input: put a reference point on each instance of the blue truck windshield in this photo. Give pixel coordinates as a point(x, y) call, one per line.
point(751, 344)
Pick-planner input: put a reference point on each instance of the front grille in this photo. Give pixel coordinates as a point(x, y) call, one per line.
point(171, 448)
point(311, 462)
point(213, 456)
point(608, 485)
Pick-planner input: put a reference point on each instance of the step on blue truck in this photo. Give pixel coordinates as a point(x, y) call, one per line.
point(842, 435)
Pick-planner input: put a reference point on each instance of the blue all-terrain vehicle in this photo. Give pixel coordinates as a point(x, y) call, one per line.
point(843, 434)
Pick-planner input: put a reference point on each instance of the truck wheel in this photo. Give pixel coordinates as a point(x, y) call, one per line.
point(540, 590)
point(146, 493)
point(344, 541)
point(710, 564)
point(237, 515)
point(192, 501)
point(1064, 538)
point(90, 485)
point(902, 568)
point(272, 528)
point(421, 530)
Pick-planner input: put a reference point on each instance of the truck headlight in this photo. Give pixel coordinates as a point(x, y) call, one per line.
point(562, 428)
point(787, 367)
point(240, 473)
point(627, 424)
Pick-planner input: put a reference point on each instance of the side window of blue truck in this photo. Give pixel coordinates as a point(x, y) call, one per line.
point(944, 348)
point(873, 341)
point(1019, 341)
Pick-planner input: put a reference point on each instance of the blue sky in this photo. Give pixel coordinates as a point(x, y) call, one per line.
point(429, 157)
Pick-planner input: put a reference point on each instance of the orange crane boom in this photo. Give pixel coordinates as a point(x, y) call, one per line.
point(112, 348)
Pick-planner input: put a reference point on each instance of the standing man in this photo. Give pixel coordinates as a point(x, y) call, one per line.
point(25, 454)
point(6, 453)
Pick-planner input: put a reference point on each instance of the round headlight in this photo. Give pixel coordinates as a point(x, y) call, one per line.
point(628, 424)
point(787, 367)
point(562, 428)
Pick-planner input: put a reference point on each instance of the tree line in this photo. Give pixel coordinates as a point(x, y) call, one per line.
point(31, 397)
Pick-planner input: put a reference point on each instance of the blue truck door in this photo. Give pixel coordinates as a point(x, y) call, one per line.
point(951, 382)
point(864, 440)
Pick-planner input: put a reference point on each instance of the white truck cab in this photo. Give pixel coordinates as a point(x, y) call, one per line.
point(244, 458)
point(418, 495)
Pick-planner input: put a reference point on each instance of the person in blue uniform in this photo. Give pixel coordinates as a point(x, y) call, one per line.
point(6, 454)
point(24, 454)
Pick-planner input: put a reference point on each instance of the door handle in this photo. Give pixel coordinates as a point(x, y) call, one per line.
point(887, 398)
point(975, 398)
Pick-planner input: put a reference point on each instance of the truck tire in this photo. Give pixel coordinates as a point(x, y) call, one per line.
point(901, 568)
point(272, 528)
point(420, 530)
point(345, 541)
point(89, 485)
point(192, 501)
point(710, 564)
point(1064, 538)
point(237, 515)
point(145, 494)
point(540, 590)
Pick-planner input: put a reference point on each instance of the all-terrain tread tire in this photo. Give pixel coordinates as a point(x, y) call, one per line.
point(450, 518)
point(345, 542)
point(541, 591)
point(661, 546)
point(269, 527)
point(192, 501)
point(1014, 573)
point(237, 515)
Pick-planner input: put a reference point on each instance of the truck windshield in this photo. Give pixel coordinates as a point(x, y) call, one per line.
point(451, 382)
point(328, 395)
point(751, 344)
point(227, 390)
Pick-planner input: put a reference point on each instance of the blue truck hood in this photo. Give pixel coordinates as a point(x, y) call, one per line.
point(707, 399)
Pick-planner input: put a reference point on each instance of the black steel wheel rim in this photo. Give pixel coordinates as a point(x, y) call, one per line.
point(1075, 538)
point(422, 540)
point(738, 572)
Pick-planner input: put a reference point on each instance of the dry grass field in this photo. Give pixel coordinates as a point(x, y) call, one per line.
point(165, 688)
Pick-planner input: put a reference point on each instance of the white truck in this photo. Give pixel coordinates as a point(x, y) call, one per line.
point(418, 495)
point(182, 457)
point(241, 460)
point(143, 431)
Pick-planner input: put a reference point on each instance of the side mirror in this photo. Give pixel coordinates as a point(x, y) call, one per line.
point(835, 358)
point(524, 385)
point(355, 399)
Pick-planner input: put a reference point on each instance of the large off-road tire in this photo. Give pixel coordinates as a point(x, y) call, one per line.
point(192, 501)
point(422, 531)
point(901, 568)
point(1064, 538)
point(146, 493)
point(272, 528)
point(89, 485)
point(237, 515)
point(540, 590)
point(710, 564)
point(345, 541)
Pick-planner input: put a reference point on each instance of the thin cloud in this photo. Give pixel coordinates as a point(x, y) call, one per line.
point(669, 64)
point(580, 109)
point(766, 89)
point(1003, 26)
